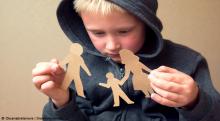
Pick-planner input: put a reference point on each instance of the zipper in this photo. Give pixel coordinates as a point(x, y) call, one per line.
point(120, 71)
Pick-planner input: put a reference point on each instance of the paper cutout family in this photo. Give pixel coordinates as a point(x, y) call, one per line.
point(132, 65)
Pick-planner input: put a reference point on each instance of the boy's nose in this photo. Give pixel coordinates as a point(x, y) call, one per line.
point(112, 44)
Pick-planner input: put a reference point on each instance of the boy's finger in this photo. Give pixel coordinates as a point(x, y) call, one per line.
point(39, 80)
point(54, 61)
point(50, 89)
point(42, 68)
point(57, 70)
point(47, 87)
point(163, 101)
point(173, 77)
point(165, 94)
point(47, 68)
point(166, 69)
point(165, 85)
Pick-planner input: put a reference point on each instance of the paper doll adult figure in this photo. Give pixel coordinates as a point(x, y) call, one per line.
point(75, 61)
point(140, 79)
point(115, 84)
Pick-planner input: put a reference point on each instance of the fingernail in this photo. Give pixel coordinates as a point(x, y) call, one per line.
point(151, 75)
point(33, 80)
point(54, 67)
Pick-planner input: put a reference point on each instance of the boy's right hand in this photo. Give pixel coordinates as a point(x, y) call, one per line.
point(48, 78)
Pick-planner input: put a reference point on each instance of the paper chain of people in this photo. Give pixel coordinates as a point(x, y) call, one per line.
point(132, 65)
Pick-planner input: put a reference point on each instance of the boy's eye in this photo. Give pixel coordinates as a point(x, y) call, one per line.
point(123, 31)
point(99, 33)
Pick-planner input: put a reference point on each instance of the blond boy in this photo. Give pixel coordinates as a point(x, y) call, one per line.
point(183, 88)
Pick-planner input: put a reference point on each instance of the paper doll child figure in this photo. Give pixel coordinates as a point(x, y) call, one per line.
point(140, 79)
point(75, 61)
point(114, 83)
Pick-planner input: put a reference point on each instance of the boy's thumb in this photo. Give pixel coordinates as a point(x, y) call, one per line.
point(56, 68)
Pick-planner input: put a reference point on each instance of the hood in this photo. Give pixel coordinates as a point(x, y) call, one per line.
point(145, 10)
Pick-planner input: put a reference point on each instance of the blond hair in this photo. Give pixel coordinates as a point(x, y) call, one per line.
point(96, 6)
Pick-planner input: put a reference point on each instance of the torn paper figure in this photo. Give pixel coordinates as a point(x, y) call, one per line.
point(75, 61)
point(140, 79)
point(115, 84)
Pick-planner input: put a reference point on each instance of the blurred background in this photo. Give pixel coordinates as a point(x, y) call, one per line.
point(29, 33)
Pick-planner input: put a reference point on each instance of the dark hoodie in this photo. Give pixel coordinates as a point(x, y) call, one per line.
point(98, 104)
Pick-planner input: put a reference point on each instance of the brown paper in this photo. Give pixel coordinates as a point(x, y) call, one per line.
point(115, 84)
point(140, 79)
point(132, 65)
point(74, 61)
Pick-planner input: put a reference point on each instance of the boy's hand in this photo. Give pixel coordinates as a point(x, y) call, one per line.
point(173, 88)
point(48, 77)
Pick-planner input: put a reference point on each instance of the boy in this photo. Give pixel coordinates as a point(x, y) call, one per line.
point(183, 88)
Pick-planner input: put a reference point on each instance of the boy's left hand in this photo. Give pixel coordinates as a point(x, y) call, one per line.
point(173, 88)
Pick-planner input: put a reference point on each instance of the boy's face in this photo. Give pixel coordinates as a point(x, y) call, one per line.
point(113, 32)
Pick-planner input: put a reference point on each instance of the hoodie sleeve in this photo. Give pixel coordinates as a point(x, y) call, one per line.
point(70, 112)
point(208, 106)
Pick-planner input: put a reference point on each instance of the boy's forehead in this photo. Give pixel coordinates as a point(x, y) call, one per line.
point(112, 17)
point(110, 23)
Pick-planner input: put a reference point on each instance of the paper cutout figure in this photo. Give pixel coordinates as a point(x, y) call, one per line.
point(75, 61)
point(140, 79)
point(115, 84)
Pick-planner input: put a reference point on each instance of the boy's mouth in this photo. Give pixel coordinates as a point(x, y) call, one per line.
point(113, 55)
